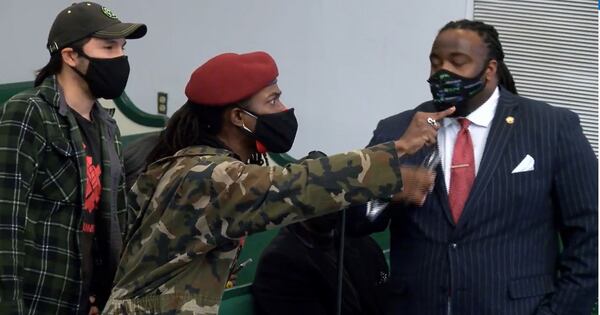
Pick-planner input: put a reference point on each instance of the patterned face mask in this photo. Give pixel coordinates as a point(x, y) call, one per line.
point(450, 89)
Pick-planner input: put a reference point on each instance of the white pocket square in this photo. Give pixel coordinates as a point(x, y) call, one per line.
point(527, 165)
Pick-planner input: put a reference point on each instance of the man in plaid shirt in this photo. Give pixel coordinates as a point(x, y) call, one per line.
point(62, 196)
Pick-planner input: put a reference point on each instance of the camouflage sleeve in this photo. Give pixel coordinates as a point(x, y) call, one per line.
point(251, 198)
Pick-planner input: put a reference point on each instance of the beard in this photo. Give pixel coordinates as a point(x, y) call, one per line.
point(464, 108)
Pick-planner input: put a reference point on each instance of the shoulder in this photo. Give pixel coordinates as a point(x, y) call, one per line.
point(25, 102)
point(200, 174)
point(404, 117)
point(540, 110)
point(28, 111)
point(393, 126)
point(144, 143)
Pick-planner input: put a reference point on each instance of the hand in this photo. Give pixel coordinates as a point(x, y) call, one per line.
point(231, 281)
point(93, 308)
point(420, 132)
point(417, 182)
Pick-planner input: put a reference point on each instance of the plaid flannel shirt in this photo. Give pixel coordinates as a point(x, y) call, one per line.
point(42, 185)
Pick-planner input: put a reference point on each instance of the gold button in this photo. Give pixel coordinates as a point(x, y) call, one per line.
point(510, 120)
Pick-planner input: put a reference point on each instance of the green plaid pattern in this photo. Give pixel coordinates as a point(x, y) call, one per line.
point(42, 183)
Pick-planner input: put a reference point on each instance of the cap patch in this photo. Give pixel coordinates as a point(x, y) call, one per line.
point(108, 13)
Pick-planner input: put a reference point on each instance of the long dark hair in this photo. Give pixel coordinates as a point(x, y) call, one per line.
point(54, 65)
point(192, 124)
point(490, 37)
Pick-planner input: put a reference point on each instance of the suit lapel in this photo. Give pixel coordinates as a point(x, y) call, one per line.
point(439, 191)
point(498, 137)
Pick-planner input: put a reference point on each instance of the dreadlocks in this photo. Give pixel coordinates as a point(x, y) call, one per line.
point(490, 37)
point(196, 124)
point(192, 124)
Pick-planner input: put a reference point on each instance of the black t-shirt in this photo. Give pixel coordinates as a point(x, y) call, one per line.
point(90, 132)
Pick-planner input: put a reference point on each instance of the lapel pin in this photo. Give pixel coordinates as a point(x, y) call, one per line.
point(510, 120)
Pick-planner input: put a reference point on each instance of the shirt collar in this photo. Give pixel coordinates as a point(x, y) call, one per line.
point(483, 115)
point(104, 114)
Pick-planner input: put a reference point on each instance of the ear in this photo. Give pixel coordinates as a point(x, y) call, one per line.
point(69, 56)
point(492, 70)
point(236, 117)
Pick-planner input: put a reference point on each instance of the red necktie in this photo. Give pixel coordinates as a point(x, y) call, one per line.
point(462, 170)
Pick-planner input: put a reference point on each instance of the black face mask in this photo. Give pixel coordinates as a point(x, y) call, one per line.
point(106, 78)
point(450, 89)
point(274, 132)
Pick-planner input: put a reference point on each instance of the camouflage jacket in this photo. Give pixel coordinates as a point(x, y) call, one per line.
point(193, 208)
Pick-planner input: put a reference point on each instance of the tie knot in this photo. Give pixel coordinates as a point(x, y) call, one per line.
point(464, 123)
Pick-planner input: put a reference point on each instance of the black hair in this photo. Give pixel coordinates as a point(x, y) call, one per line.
point(490, 37)
point(192, 124)
point(54, 65)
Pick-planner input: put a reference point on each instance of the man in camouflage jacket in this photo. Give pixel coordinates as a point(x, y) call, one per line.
point(193, 207)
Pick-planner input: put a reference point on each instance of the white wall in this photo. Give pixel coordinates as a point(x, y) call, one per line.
point(344, 64)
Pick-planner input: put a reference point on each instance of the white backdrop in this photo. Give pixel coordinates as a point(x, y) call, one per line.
point(344, 64)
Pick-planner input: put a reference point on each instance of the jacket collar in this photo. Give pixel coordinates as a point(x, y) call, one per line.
point(198, 150)
point(53, 93)
point(203, 150)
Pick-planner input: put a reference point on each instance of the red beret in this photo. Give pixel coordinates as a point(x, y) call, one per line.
point(229, 78)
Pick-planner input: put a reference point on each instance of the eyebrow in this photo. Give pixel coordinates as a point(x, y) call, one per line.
point(451, 55)
point(459, 54)
point(278, 94)
point(114, 42)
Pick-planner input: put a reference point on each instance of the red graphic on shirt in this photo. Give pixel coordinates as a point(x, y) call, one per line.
point(93, 188)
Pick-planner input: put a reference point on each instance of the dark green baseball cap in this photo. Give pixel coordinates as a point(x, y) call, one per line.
point(89, 19)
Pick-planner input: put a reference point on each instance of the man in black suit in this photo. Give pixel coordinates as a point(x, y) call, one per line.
point(298, 271)
point(516, 176)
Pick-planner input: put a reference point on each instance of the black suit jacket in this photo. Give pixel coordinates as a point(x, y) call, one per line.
point(293, 278)
point(503, 256)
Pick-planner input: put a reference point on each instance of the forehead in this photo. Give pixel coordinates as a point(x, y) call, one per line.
point(268, 91)
point(459, 41)
point(101, 41)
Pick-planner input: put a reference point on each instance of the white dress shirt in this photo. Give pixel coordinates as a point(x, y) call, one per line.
point(480, 119)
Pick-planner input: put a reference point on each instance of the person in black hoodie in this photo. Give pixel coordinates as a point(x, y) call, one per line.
point(297, 272)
